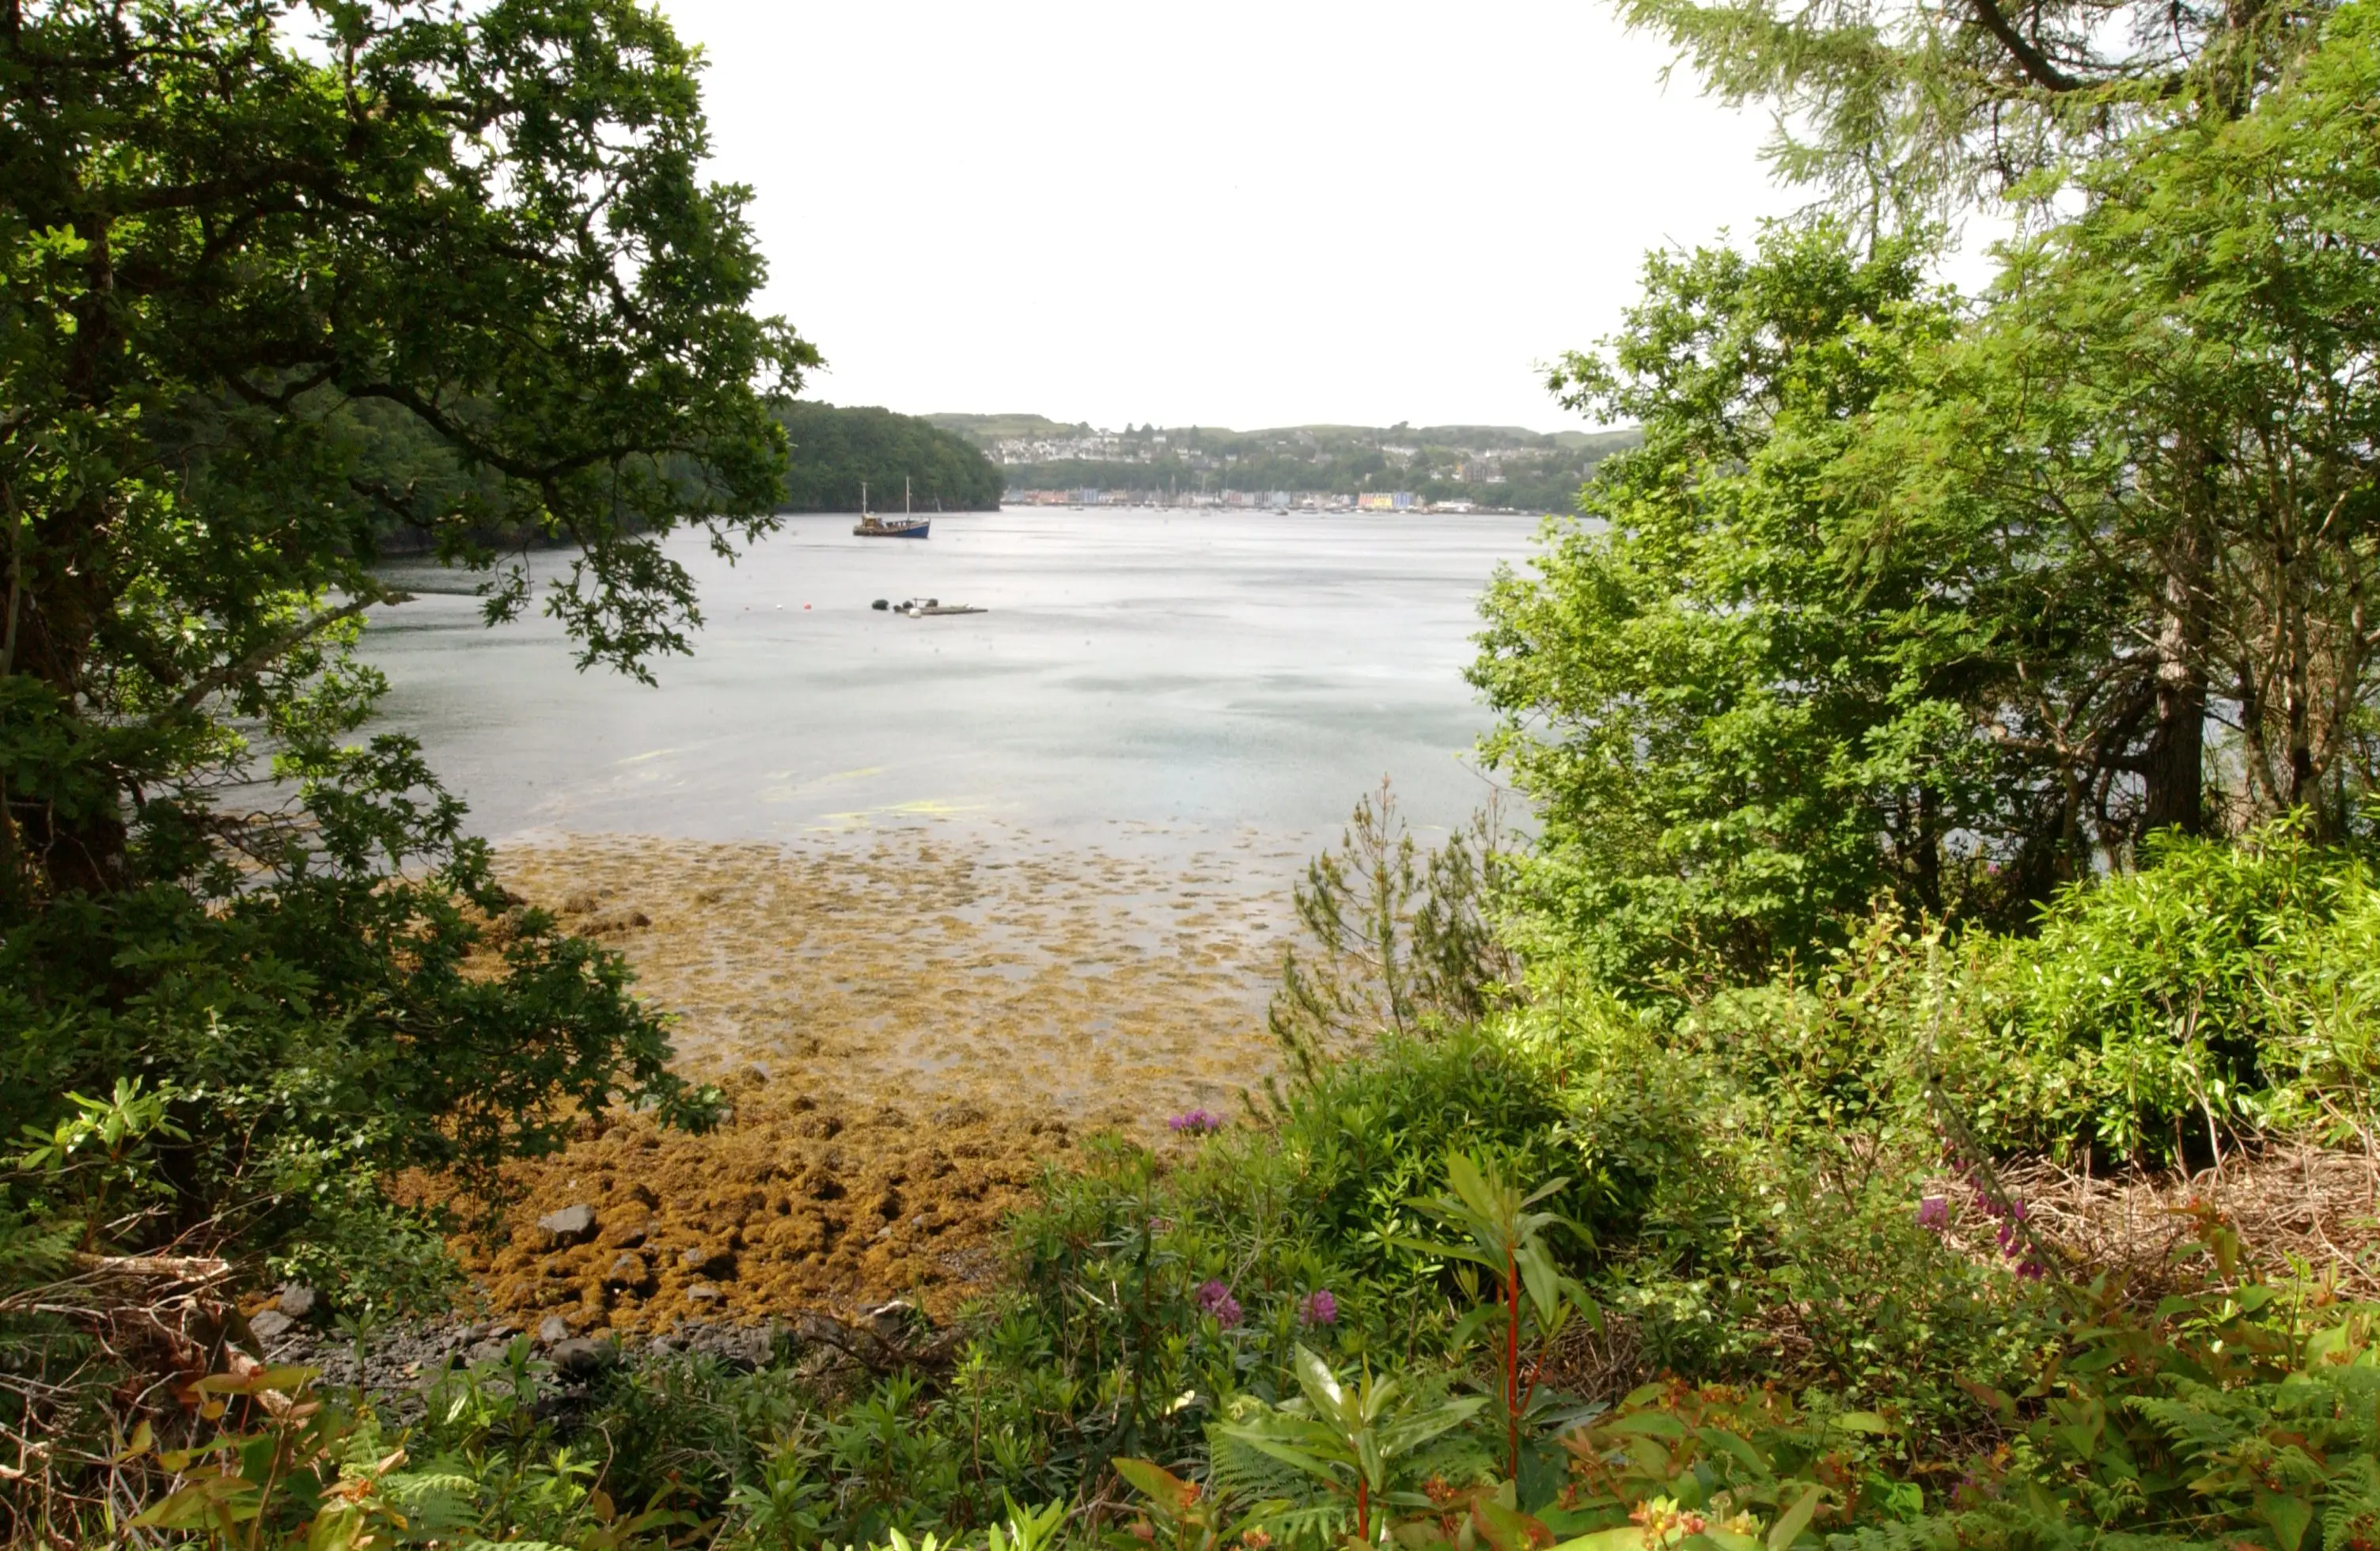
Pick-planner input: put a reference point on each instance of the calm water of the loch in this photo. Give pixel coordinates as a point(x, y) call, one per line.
point(1204, 671)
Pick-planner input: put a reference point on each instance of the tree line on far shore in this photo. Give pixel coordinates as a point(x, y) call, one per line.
point(836, 448)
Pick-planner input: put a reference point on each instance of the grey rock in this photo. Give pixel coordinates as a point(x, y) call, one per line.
point(270, 1326)
point(552, 1328)
point(297, 1302)
point(699, 1293)
point(751, 1346)
point(707, 1261)
point(628, 1272)
point(572, 1225)
point(583, 1357)
point(740, 1347)
point(484, 1351)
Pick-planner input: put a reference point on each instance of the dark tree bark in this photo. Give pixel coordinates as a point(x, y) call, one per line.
point(2174, 766)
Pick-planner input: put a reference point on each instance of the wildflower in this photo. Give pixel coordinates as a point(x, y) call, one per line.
point(1214, 1298)
point(2029, 1270)
point(1318, 1308)
point(1661, 1517)
point(1934, 1212)
point(1255, 1540)
point(1195, 1122)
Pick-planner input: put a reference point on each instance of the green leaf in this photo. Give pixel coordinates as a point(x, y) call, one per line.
point(1648, 1423)
point(2288, 1514)
point(1159, 1485)
point(1794, 1520)
point(1628, 1537)
point(1720, 1440)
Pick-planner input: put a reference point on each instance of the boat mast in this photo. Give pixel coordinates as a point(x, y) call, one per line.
point(905, 495)
point(863, 497)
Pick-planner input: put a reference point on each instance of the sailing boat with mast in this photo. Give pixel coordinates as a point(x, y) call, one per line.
point(906, 525)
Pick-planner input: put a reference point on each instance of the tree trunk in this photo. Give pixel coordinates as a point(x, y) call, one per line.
point(71, 838)
point(2175, 765)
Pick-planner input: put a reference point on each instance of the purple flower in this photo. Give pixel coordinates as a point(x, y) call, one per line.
point(1318, 1308)
point(1934, 1212)
point(1198, 1123)
point(2029, 1270)
point(1214, 1298)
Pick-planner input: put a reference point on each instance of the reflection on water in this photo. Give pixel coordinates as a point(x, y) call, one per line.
point(1209, 671)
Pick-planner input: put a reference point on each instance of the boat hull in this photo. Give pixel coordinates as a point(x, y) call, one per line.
point(892, 528)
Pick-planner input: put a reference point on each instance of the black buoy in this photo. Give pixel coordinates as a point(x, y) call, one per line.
point(880, 603)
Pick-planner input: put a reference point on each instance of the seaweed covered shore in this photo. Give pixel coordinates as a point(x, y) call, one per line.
point(907, 1026)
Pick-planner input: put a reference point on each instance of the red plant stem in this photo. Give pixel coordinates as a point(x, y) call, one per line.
point(1363, 1511)
point(1513, 1366)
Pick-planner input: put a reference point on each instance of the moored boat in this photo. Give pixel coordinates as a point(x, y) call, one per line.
point(873, 526)
point(906, 525)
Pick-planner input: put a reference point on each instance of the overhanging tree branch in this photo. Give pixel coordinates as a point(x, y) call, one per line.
point(256, 661)
point(2029, 58)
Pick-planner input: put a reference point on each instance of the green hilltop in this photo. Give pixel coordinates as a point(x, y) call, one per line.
point(1508, 467)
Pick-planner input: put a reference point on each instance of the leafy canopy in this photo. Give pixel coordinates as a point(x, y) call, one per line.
point(1954, 602)
point(276, 280)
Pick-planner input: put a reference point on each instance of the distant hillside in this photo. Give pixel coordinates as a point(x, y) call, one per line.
point(836, 448)
point(989, 430)
point(984, 430)
point(1602, 443)
point(1510, 467)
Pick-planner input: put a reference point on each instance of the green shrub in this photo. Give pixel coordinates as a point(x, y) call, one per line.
point(2224, 988)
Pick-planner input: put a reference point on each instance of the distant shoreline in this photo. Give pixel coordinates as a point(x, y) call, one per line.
point(1304, 506)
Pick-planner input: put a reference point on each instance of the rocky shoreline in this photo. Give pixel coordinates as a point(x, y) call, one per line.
point(398, 1365)
point(893, 1095)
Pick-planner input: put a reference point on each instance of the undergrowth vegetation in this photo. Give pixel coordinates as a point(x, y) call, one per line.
point(1738, 1267)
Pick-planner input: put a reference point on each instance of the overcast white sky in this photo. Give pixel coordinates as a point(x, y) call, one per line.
point(1226, 214)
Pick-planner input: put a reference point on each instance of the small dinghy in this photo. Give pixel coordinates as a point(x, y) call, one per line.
point(918, 608)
